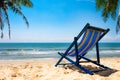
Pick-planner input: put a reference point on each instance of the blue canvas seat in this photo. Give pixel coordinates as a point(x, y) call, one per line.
point(90, 38)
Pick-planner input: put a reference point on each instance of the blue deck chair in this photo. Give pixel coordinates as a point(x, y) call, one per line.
point(90, 38)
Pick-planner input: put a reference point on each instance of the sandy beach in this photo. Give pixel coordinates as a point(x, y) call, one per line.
point(44, 69)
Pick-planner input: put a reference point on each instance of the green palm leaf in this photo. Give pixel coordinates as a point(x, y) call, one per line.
point(109, 9)
point(118, 23)
point(15, 6)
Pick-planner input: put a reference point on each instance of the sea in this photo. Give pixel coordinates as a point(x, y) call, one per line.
point(13, 51)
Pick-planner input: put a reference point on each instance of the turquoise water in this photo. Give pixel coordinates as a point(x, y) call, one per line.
point(49, 50)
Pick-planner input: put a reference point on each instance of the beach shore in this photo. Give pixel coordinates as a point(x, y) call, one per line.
point(44, 69)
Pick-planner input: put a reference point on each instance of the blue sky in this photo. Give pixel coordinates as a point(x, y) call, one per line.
point(57, 21)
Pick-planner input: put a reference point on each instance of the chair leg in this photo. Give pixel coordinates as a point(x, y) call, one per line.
point(74, 63)
point(76, 50)
point(97, 53)
point(59, 60)
point(79, 66)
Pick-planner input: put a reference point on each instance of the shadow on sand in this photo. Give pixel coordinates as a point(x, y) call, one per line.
point(96, 70)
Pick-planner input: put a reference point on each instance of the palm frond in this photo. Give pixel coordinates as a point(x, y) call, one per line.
point(100, 4)
point(15, 6)
point(118, 23)
point(26, 3)
point(18, 11)
point(1, 21)
point(8, 22)
point(108, 7)
point(1, 24)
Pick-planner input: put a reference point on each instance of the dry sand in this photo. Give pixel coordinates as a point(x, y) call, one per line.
point(44, 69)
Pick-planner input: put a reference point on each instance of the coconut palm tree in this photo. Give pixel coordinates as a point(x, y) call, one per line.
point(109, 9)
point(15, 6)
